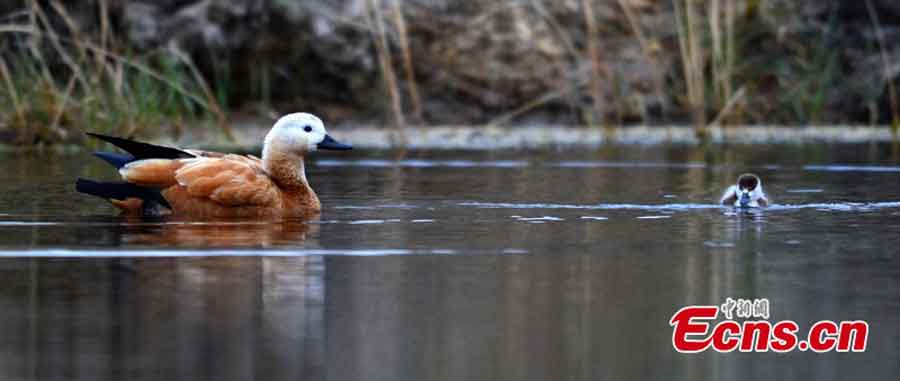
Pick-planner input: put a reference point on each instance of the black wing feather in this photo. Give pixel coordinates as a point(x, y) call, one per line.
point(117, 160)
point(121, 191)
point(141, 150)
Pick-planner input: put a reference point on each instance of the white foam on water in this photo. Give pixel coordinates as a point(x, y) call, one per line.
point(653, 217)
point(594, 218)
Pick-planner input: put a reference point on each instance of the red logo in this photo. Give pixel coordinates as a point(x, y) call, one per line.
point(693, 331)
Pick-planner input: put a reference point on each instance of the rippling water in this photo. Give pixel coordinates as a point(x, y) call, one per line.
point(456, 265)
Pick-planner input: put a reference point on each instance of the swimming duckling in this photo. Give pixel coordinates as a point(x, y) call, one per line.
point(747, 193)
point(213, 184)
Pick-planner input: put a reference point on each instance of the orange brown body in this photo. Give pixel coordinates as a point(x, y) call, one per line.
point(227, 186)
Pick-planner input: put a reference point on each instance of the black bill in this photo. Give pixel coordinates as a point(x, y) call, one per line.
point(745, 199)
point(331, 144)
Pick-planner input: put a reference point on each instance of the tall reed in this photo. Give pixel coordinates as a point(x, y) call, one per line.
point(886, 67)
point(402, 35)
point(598, 69)
point(382, 48)
point(721, 26)
point(692, 61)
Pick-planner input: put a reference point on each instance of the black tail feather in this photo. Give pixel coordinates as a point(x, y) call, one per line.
point(121, 191)
point(141, 150)
point(117, 160)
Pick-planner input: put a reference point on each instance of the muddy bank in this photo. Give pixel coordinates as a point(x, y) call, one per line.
point(250, 135)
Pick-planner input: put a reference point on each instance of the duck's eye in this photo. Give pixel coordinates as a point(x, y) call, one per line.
point(307, 128)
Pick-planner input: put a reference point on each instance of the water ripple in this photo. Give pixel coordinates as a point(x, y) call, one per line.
point(804, 190)
point(851, 168)
point(67, 253)
point(501, 205)
point(421, 163)
point(839, 207)
point(542, 219)
point(845, 206)
point(624, 164)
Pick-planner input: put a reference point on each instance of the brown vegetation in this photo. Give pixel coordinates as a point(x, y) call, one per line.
point(138, 65)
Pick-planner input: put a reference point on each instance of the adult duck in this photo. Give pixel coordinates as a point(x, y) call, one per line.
point(211, 184)
point(746, 193)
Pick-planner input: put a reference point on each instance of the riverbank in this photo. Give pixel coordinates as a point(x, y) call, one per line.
point(250, 136)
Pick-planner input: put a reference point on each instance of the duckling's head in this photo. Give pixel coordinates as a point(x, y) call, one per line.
point(301, 133)
point(749, 190)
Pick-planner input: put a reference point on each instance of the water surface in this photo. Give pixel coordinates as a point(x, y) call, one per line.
point(456, 265)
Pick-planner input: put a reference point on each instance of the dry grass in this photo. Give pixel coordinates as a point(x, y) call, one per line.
point(719, 60)
point(382, 48)
point(649, 49)
point(721, 26)
point(692, 60)
point(598, 69)
point(886, 65)
point(402, 35)
point(64, 81)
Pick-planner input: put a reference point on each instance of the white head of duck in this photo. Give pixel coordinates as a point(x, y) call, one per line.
point(747, 192)
point(300, 133)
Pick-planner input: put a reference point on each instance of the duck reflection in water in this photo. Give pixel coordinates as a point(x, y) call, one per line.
point(218, 233)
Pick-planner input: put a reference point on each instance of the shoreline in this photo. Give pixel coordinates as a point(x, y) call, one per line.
point(249, 137)
point(548, 137)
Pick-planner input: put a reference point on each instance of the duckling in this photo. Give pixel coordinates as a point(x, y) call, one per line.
point(746, 193)
point(212, 184)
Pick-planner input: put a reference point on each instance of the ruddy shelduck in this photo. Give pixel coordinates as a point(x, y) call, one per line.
point(746, 193)
point(197, 183)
